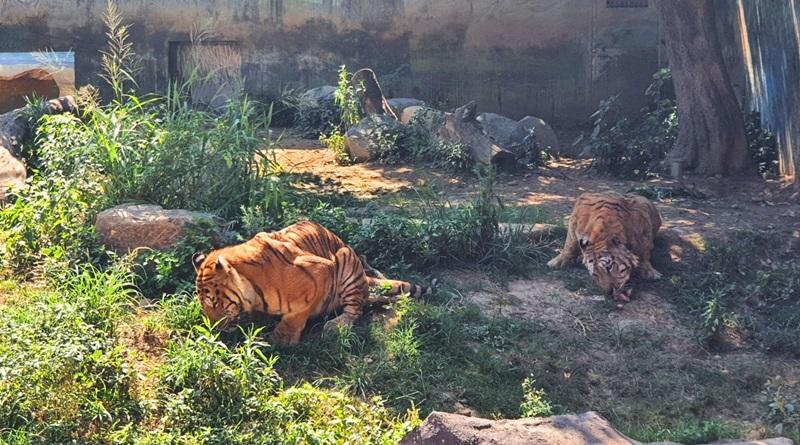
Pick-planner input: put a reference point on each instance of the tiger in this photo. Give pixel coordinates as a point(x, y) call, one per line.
point(301, 272)
point(614, 234)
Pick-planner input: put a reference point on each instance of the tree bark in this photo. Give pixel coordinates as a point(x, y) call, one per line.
point(711, 136)
point(372, 100)
point(462, 127)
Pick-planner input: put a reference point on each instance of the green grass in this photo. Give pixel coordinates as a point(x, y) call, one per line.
point(747, 283)
point(66, 378)
point(425, 355)
point(687, 431)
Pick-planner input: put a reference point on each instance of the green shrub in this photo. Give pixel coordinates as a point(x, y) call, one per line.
point(163, 151)
point(783, 409)
point(415, 142)
point(235, 396)
point(535, 403)
point(336, 143)
point(51, 220)
point(349, 109)
point(635, 147)
point(171, 271)
point(437, 233)
point(157, 149)
point(762, 145)
point(632, 148)
point(63, 377)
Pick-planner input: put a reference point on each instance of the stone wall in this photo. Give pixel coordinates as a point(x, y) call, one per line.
point(551, 58)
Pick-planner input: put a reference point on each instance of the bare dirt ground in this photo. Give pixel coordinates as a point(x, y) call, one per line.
point(738, 205)
point(648, 350)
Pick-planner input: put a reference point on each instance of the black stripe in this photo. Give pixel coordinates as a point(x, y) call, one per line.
point(281, 255)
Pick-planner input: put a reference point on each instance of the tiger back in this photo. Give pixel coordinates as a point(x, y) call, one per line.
point(317, 239)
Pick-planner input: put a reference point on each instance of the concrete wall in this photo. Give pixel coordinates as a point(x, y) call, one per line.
point(551, 58)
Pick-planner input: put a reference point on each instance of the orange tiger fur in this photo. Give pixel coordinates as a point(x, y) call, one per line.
point(614, 234)
point(316, 239)
point(298, 273)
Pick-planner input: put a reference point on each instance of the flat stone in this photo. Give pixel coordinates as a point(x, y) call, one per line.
point(399, 104)
point(581, 429)
point(130, 226)
point(361, 138)
point(453, 429)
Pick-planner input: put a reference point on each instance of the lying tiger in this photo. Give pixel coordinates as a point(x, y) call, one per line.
point(614, 234)
point(298, 273)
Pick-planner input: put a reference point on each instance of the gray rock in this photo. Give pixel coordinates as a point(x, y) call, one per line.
point(507, 132)
point(13, 130)
point(362, 138)
point(582, 429)
point(319, 95)
point(12, 172)
point(433, 118)
point(498, 128)
point(545, 135)
point(453, 429)
point(130, 226)
point(401, 103)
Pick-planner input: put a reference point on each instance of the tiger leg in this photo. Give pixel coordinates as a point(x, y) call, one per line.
point(391, 290)
point(647, 270)
point(350, 287)
point(570, 250)
point(289, 329)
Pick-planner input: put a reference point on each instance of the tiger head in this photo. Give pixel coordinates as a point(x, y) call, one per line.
point(610, 265)
point(223, 292)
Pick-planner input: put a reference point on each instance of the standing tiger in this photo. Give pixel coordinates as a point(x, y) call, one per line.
point(614, 234)
point(298, 273)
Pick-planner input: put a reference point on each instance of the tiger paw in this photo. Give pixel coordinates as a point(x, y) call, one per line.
point(555, 262)
point(651, 274)
point(281, 339)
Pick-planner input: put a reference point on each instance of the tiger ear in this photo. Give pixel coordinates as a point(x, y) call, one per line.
point(615, 241)
point(197, 260)
point(583, 242)
point(222, 264)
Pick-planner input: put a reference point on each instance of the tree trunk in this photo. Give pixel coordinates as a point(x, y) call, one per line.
point(462, 127)
point(372, 100)
point(711, 136)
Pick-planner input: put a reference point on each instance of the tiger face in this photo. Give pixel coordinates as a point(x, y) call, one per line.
point(223, 292)
point(611, 270)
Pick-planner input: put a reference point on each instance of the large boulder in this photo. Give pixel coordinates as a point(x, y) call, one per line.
point(431, 118)
point(582, 429)
point(363, 138)
point(401, 103)
point(454, 429)
point(14, 129)
point(507, 132)
point(319, 95)
point(545, 135)
point(12, 172)
point(498, 128)
point(130, 226)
